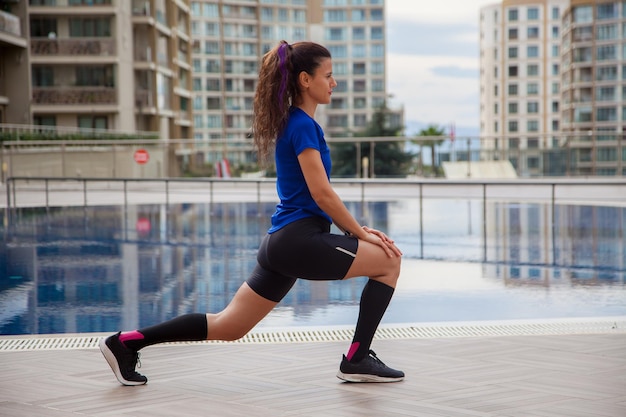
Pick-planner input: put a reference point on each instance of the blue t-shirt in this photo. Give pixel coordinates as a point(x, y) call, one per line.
point(301, 132)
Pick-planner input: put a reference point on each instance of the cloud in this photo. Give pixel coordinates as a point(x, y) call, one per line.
point(435, 89)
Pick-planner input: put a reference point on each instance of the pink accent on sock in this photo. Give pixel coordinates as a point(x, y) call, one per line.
point(134, 335)
point(353, 348)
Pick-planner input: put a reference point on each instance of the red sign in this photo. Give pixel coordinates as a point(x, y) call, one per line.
point(141, 156)
point(143, 226)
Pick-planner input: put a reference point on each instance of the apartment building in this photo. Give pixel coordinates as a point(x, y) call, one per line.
point(520, 64)
point(107, 64)
point(551, 72)
point(230, 37)
point(594, 86)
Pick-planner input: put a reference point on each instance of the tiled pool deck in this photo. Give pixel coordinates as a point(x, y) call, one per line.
point(545, 375)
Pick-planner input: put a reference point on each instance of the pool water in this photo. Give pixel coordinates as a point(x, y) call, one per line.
point(102, 269)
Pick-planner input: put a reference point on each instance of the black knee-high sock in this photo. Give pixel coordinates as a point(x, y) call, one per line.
point(186, 328)
point(374, 301)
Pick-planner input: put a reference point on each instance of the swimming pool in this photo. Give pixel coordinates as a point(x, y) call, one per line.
point(105, 268)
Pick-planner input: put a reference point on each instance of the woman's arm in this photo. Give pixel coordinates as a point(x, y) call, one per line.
point(328, 200)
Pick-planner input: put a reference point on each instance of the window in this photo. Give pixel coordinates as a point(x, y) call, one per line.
point(555, 88)
point(606, 73)
point(512, 15)
point(358, 33)
point(45, 120)
point(358, 51)
point(358, 15)
point(377, 51)
point(532, 51)
point(606, 154)
point(513, 34)
point(605, 93)
point(532, 126)
point(92, 122)
point(512, 89)
point(340, 68)
point(376, 14)
point(342, 86)
point(94, 76)
point(513, 71)
point(532, 32)
point(213, 103)
point(42, 27)
point(532, 143)
point(90, 27)
point(532, 89)
point(512, 51)
point(360, 102)
point(555, 13)
point(555, 32)
point(583, 14)
point(606, 52)
point(555, 107)
point(512, 126)
point(532, 107)
point(338, 51)
point(532, 70)
point(606, 114)
point(360, 120)
point(358, 68)
point(606, 32)
point(335, 34)
point(377, 33)
point(42, 77)
point(358, 86)
point(607, 11)
point(334, 16)
point(555, 51)
point(512, 108)
point(532, 13)
point(212, 84)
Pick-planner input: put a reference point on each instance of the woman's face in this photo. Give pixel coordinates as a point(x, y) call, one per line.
point(321, 84)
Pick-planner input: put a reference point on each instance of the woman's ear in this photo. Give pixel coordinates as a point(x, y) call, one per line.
point(304, 79)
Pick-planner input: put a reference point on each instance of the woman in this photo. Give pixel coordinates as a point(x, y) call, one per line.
point(293, 81)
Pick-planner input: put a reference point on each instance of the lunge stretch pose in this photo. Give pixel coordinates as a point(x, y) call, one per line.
point(293, 81)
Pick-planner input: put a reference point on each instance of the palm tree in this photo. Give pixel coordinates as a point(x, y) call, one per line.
point(431, 131)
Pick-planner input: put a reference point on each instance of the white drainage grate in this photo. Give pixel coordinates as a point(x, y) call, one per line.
point(307, 335)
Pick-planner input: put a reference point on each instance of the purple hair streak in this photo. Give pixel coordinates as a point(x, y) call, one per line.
point(282, 64)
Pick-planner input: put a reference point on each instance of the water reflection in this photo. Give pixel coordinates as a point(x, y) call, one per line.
point(100, 269)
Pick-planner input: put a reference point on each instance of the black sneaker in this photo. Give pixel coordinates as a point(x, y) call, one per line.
point(122, 360)
point(369, 369)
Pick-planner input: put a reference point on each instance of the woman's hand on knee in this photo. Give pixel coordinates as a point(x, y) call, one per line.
point(379, 238)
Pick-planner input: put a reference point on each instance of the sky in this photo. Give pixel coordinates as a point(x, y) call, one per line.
point(433, 62)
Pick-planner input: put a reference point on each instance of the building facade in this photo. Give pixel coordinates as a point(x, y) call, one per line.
point(106, 64)
point(551, 82)
point(230, 38)
point(594, 86)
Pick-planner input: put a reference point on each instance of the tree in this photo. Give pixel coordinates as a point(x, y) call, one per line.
point(390, 159)
point(431, 131)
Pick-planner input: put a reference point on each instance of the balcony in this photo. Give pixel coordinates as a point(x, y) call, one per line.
point(73, 7)
point(73, 47)
point(71, 96)
point(10, 24)
point(10, 30)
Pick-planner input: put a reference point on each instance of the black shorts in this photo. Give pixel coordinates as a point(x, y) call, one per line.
point(302, 249)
